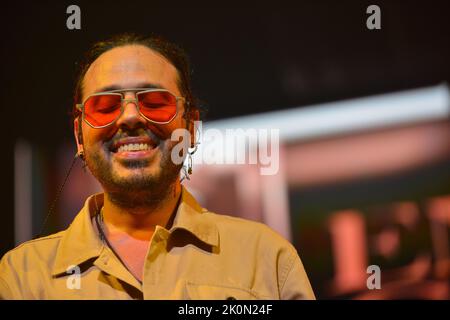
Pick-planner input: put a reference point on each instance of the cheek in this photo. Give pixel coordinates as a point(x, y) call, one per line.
point(159, 130)
point(93, 136)
point(164, 132)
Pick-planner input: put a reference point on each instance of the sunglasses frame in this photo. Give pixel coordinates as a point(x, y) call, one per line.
point(121, 93)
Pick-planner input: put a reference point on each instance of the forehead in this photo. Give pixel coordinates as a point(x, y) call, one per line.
point(128, 67)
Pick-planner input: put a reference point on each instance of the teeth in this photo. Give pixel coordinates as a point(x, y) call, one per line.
point(133, 147)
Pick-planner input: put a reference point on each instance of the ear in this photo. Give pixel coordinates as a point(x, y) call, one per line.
point(194, 116)
point(78, 135)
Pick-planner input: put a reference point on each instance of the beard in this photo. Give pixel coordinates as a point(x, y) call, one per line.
point(140, 187)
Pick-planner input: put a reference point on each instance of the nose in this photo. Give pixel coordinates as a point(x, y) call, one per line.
point(130, 117)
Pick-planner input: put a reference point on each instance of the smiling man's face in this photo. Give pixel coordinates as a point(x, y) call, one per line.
point(119, 171)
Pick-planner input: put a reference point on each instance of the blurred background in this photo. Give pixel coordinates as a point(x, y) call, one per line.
point(364, 161)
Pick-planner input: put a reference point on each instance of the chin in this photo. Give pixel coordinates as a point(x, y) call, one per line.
point(136, 174)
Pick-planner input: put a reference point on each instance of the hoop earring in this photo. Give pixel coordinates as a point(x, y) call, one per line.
point(80, 154)
point(190, 153)
point(187, 171)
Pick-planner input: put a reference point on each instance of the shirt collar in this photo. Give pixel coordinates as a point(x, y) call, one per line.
point(193, 218)
point(81, 242)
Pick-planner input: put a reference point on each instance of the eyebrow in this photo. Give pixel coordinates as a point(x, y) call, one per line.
point(138, 85)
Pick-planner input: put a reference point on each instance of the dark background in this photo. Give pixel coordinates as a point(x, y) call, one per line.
point(246, 57)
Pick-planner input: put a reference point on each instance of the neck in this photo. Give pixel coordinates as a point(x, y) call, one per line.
point(140, 215)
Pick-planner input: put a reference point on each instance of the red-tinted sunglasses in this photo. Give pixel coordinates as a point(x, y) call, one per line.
point(102, 109)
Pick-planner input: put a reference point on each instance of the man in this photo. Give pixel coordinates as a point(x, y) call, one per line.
point(145, 236)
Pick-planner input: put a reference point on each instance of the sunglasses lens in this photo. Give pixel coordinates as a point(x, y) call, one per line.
point(158, 106)
point(103, 109)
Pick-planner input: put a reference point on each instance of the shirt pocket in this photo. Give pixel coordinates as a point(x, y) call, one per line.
point(219, 292)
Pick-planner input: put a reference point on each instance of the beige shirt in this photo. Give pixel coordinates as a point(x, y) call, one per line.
point(203, 256)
